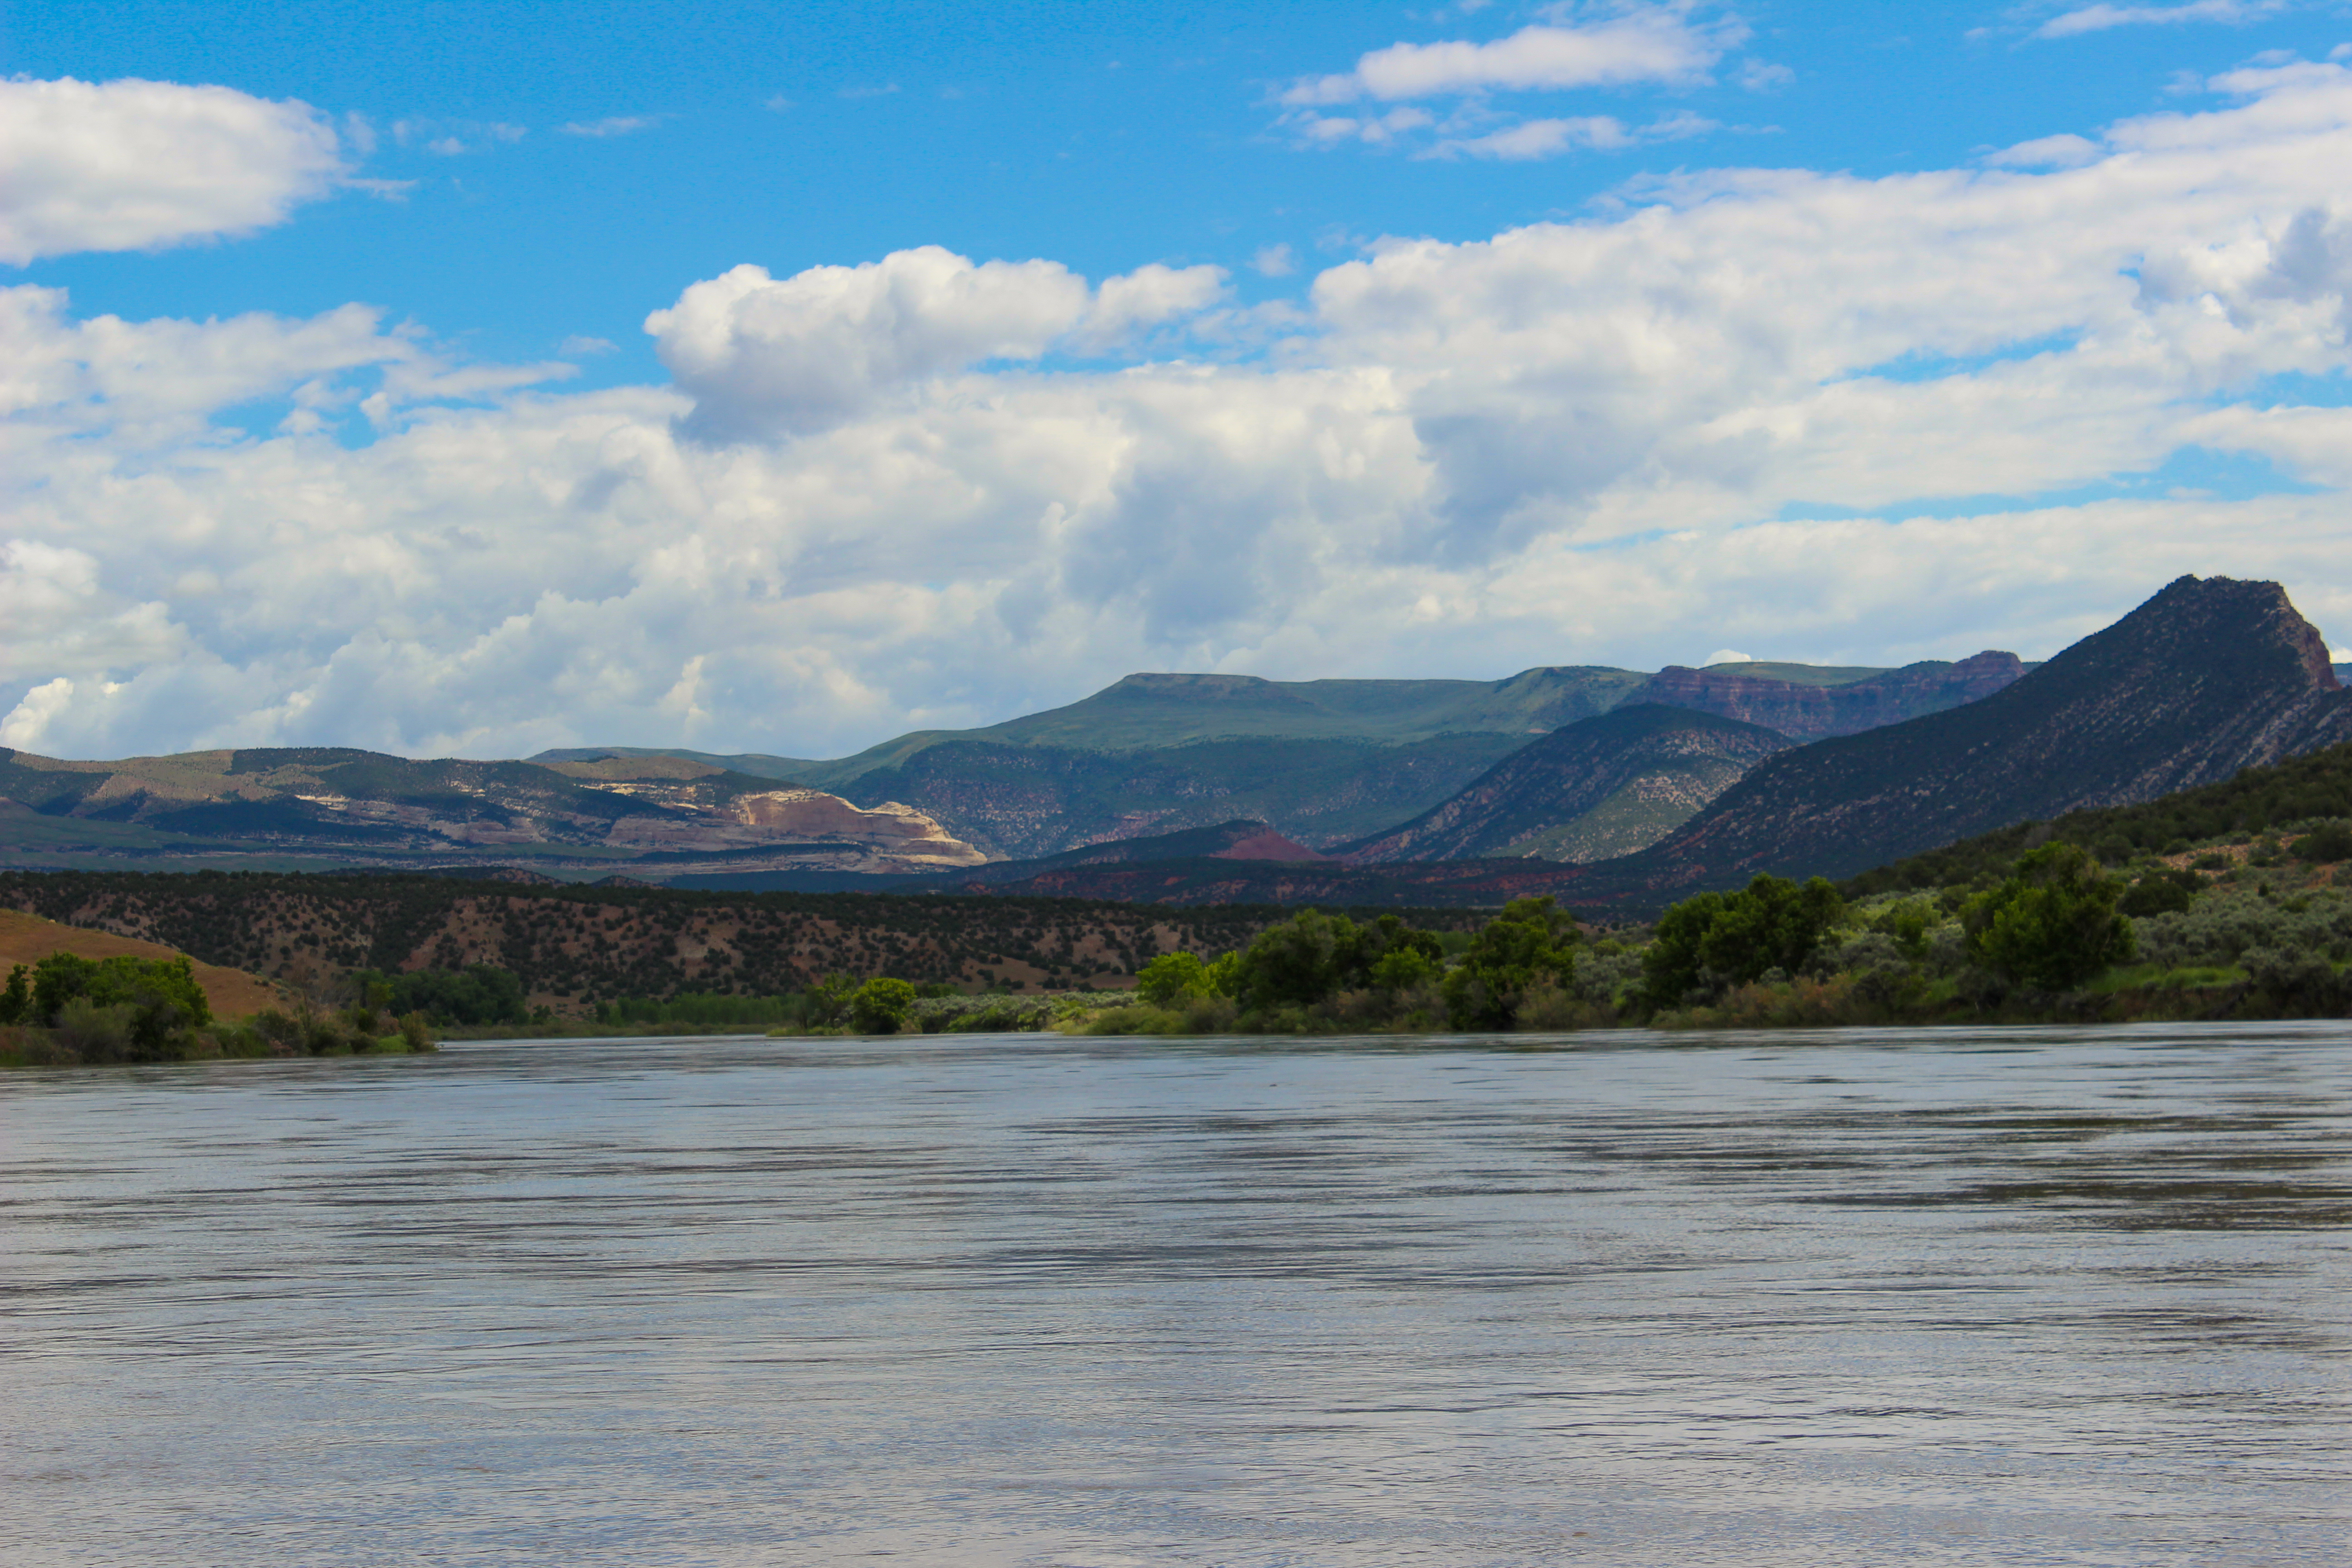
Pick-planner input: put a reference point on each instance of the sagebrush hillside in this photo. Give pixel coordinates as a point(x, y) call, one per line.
point(575, 947)
point(1594, 790)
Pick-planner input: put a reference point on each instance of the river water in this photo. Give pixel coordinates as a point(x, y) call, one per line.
point(1925, 1297)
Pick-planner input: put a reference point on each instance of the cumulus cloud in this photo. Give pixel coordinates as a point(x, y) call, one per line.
point(762, 355)
point(1858, 420)
point(1656, 43)
point(133, 165)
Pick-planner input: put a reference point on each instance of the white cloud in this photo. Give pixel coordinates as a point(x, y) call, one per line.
point(133, 165)
point(762, 355)
point(456, 137)
point(1148, 296)
point(1535, 138)
point(1656, 43)
point(616, 125)
point(2100, 17)
point(1274, 261)
point(1587, 442)
point(2065, 152)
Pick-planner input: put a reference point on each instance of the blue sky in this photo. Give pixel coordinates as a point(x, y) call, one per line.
point(1351, 340)
point(1104, 135)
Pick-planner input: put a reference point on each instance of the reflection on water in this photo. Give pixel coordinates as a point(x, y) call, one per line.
point(2015, 1297)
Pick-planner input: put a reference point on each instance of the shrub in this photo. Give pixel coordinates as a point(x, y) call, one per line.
point(881, 1005)
point(95, 1034)
point(1532, 941)
point(826, 1002)
point(2052, 924)
point(1713, 939)
point(1308, 959)
point(2160, 893)
point(2327, 843)
point(478, 994)
point(157, 1001)
point(1171, 977)
point(2297, 981)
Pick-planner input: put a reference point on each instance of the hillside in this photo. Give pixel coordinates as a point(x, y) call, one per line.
point(2206, 678)
point(575, 947)
point(364, 806)
point(2263, 799)
point(1595, 789)
point(1205, 881)
point(27, 939)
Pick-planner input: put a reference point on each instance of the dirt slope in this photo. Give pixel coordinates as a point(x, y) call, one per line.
point(27, 939)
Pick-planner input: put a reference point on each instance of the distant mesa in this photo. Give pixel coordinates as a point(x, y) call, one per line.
point(356, 807)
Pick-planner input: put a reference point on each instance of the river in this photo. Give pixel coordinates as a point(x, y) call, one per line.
point(1936, 1297)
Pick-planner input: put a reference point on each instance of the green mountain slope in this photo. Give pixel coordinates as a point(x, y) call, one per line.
point(1025, 801)
point(1601, 787)
point(2264, 799)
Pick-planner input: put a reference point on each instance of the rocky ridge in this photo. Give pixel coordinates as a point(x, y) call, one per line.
point(1593, 790)
point(2209, 676)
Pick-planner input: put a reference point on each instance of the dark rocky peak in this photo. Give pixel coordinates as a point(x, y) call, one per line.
point(2209, 676)
point(2211, 630)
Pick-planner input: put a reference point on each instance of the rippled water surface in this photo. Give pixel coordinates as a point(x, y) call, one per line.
point(1931, 1298)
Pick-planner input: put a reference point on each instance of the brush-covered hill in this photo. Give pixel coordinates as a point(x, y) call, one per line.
point(2209, 677)
point(2313, 788)
point(572, 947)
point(1597, 789)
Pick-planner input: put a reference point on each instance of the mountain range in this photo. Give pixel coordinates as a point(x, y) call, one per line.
point(1609, 787)
point(2206, 678)
point(1324, 762)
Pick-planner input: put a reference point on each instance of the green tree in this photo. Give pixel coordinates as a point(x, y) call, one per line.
point(478, 994)
point(1297, 962)
point(16, 1001)
point(164, 999)
point(1171, 977)
point(826, 1002)
point(2053, 925)
point(1713, 940)
point(1531, 940)
point(1402, 968)
point(881, 1005)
